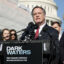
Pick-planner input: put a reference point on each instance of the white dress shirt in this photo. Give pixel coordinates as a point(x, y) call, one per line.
point(60, 35)
point(41, 27)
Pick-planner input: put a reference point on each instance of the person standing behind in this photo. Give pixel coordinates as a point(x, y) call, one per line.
point(5, 34)
point(45, 32)
point(57, 26)
point(13, 35)
point(5, 38)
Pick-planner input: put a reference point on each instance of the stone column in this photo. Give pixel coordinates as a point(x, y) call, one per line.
point(49, 22)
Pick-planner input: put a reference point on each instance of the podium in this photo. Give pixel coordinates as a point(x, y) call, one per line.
point(22, 52)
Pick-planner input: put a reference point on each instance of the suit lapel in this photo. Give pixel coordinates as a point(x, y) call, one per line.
point(42, 33)
point(45, 28)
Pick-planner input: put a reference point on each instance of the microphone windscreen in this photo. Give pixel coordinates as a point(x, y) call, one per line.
point(36, 26)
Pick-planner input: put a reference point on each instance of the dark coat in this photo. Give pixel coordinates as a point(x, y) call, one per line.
point(62, 47)
point(50, 34)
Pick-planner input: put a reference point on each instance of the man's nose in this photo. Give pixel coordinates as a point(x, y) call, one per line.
point(37, 15)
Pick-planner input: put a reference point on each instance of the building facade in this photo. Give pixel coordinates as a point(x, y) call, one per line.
point(49, 6)
point(13, 17)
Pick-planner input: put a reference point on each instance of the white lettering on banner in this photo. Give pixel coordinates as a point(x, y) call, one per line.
point(15, 50)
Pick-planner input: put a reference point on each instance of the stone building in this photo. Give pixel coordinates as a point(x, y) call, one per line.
point(48, 5)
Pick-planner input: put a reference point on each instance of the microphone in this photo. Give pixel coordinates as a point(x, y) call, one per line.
point(30, 25)
point(29, 31)
point(36, 26)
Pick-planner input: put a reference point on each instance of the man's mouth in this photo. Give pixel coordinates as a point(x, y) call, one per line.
point(37, 18)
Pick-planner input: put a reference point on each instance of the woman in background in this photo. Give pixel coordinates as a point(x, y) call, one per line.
point(13, 35)
point(5, 34)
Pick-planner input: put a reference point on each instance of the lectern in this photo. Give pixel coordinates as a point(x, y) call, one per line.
point(22, 52)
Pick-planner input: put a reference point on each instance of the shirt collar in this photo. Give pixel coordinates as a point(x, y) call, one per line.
point(60, 35)
point(42, 26)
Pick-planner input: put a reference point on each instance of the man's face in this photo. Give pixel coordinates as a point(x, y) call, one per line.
point(57, 27)
point(6, 35)
point(38, 16)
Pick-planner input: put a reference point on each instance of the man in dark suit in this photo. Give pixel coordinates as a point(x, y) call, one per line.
point(47, 34)
point(57, 26)
point(62, 48)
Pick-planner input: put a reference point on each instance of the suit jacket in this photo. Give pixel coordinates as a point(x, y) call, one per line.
point(50, 34)
point(62, 47)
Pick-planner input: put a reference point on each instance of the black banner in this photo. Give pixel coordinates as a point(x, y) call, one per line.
point(22, 53)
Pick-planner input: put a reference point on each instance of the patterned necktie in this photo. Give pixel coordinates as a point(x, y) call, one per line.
point(37, 33)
